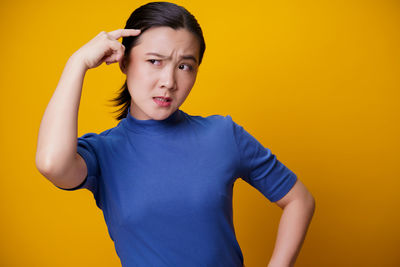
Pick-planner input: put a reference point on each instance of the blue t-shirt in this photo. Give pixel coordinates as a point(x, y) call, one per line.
point(165, 187)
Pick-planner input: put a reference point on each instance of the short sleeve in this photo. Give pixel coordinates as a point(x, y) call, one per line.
point(87, 149)
point(260, 168)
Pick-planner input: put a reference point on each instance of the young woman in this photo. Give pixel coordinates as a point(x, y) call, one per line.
point(163, 178)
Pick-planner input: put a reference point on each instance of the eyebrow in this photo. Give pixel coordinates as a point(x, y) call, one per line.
point(162, 56)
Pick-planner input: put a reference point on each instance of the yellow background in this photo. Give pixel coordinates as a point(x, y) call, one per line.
point(315, 81)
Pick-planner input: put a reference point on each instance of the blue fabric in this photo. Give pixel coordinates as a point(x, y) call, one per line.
point(165, 187)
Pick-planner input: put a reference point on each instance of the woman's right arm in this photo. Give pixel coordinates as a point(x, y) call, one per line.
point(56, 155)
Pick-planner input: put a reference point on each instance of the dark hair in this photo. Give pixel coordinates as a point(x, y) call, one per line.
point(152, 15)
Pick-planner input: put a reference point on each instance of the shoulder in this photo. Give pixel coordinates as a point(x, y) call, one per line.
point(225, 125)
point(215, 120)
point(99, 137)
point(216, 126)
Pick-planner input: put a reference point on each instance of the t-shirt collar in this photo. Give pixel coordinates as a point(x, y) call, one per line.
point(152, 126)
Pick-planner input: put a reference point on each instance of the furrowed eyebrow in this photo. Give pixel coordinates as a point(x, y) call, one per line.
point(156, 54)
point(162, 56)
point(190, 57)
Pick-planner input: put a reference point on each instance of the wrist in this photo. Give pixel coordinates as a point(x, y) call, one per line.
point(77, 60)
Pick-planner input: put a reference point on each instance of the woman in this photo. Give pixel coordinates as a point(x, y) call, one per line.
point(162, 177)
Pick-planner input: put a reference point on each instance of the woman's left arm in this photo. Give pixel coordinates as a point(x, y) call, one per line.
point(298, 208)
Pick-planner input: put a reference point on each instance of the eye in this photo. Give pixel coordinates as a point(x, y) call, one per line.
point(154, 61)
point(185, 67)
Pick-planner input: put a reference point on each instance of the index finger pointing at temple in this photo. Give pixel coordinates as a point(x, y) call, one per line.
point(124, 33)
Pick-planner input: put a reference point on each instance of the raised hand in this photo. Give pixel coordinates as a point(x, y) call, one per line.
point(105, 47)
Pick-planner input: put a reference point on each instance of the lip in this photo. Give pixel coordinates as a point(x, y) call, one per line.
point(162, 103)
point(167, 98)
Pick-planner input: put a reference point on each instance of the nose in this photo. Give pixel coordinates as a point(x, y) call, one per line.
point(167, 79)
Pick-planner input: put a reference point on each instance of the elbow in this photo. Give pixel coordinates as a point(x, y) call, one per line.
point(47, 167)
point(310, 203)
point(64, 174)
point(48, 171)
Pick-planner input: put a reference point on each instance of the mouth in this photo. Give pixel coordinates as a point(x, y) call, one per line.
point(162, 101)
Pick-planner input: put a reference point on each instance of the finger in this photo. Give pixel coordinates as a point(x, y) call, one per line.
point(121, 54)
point(114, 58)
point(124, 33)
point(114, 45)
point(116, 52)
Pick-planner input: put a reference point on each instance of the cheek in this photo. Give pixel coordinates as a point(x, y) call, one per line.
point(138, 78)
point(187, 81)
point(135, 71)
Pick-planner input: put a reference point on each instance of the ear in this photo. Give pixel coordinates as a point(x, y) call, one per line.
point(123, 64)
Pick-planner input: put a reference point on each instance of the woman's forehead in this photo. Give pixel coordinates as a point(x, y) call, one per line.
point(165, 40)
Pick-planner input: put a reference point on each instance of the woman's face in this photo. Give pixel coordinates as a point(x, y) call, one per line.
point(161, 71)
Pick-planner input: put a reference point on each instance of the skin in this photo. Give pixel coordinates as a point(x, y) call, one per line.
point(298, 209)
point(167, 74)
